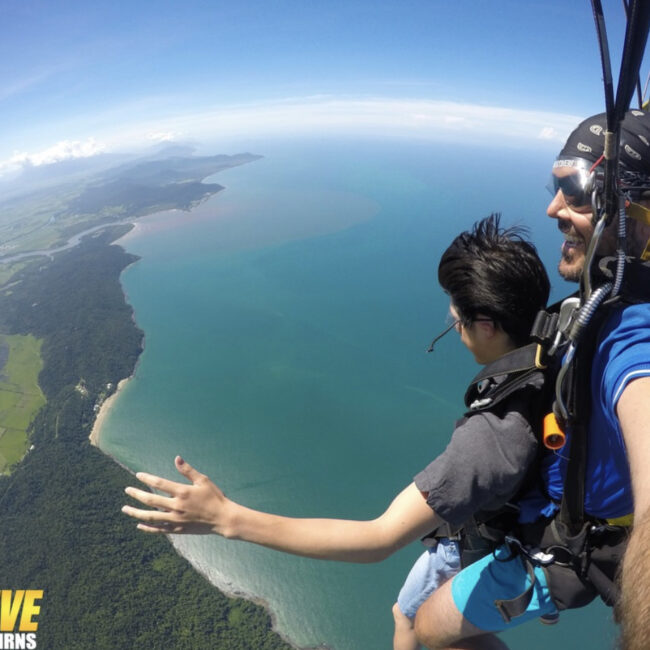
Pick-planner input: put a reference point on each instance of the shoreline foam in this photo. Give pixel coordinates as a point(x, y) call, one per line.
point(222, 584)
point(104, 410)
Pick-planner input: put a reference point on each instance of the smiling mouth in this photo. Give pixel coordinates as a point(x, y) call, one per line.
point(571, 237)
point(572, 242)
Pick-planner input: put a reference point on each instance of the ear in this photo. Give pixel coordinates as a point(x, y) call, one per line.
point(487, 328)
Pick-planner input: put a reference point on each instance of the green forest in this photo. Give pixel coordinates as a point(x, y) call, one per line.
point(105, 584)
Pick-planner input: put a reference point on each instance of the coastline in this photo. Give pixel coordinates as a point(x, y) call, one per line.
point(108, 402)
point(221, 585)
point(226, 588)
point(104, 410)
point(94, 438)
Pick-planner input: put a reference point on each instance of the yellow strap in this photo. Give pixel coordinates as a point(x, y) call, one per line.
point(645, 256)
point(625, 520)
point(639, 212)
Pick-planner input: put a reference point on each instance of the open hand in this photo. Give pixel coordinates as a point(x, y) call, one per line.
point(199, 508)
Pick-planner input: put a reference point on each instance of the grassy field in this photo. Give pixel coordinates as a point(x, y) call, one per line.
point(20, 395)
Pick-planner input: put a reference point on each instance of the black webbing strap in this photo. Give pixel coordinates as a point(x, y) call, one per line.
point(520, 366)
point(605, 586)
point(573, 491)
point(514, 361)
point(516, 606)
point(579, 407)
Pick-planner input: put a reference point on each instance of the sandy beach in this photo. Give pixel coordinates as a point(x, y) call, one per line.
point(104, 411)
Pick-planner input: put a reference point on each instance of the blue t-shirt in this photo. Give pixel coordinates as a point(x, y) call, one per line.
point(622, 355)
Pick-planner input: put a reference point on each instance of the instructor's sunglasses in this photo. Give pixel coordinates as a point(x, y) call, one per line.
point(578, 186)
point(575, 189)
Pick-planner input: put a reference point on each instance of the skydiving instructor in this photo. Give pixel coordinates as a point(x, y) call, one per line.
point(617, 483)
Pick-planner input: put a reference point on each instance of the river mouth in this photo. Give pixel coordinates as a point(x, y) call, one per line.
point(71, 243)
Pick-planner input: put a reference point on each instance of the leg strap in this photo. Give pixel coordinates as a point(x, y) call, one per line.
point(516, 606)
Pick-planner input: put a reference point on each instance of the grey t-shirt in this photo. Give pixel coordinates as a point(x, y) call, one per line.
point(484, 463)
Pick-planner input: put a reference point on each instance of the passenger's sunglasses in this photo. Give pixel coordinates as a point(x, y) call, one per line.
point(457, 324)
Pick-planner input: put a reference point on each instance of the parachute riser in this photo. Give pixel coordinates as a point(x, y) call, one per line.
point(607, 202)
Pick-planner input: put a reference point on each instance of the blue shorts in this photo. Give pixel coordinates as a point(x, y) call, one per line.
point(497, 577)
point(435, 566)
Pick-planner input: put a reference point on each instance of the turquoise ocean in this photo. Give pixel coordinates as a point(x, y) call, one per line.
point(286, 321)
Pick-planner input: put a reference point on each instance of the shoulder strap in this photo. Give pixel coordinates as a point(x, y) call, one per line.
point(579, 407)
point(514, 361)
point(503, 377)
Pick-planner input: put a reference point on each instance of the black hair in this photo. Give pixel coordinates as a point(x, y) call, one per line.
point(494, 271)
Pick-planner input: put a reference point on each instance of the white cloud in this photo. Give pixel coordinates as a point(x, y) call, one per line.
point(63, 150)
point(163, 136)
point(319, 115)
point(548, 133)
point(454, 119)
point(380, 116)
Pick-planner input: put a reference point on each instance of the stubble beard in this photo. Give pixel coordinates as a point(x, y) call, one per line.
point(571, 265)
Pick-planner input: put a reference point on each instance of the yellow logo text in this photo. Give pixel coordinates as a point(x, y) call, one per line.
point(19, 606)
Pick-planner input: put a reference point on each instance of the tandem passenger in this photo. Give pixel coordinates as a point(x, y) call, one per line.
point(467, 277)
point(496, 284)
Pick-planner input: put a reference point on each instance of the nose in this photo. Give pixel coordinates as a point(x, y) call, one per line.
point(556, 205)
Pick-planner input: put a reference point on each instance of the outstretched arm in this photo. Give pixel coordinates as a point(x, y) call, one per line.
point(634, 610)
point(203, 508)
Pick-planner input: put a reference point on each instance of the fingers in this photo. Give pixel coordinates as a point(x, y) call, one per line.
point(155, 521)
point(180, 510)
point(187, 470)
point(152, 529)
point(171, 487)
point(165, 529)
point(149, 498)
point(158, 521)
point(158, 517)
point(159, 483)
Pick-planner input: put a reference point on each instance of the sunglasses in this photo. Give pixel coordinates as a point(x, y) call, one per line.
point(457, 324)
point(576, 188)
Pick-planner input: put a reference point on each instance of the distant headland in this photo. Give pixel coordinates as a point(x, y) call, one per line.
point(43, 213)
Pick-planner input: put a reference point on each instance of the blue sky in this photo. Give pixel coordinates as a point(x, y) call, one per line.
point(79, 77)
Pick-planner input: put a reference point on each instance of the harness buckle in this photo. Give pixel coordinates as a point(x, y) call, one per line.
point(537, 556)
point(568, 310)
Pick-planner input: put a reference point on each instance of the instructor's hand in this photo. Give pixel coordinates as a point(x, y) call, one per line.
point(199, 508)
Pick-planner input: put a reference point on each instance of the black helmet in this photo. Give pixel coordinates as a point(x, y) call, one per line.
point(586, 144)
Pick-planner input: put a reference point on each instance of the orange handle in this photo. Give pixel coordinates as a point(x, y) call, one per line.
point(554, 437)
